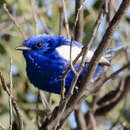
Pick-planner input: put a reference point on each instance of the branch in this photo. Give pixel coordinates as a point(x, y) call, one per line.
point(45, 102)
point(15, 22)
point(96, 26)
point(5, 87)
point(79, 116)
point(78, 30)
point(64, 102)
point(61, 17)
point(66, 20)
point(102, 47)
point(111, 76)
point(115, 97)
point(10, 96)
point(92, 121)
point(37, 111)
point(5, 27)
point(95, 59)
point(2, 127)
point(93, 90)
point(78, 20)
point(34, 14)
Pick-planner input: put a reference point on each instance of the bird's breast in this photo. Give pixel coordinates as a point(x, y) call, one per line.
point(48, 66)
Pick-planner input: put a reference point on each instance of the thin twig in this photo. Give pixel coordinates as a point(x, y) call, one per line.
point(78, 35)
point(118, 91)
point(96, 26)
point(45, 102)
point(100, 84)
point(71, 61)
point(15, 22)
point(78, 25)
point(78, 72)
point(94, 89)
point(94, 32)
point(34, 14)
point(2, 127)
point(120, 114)
point(64, 102)
point(110, 11)
point(66, 20)
point(121, 92)
point(114, 73)
point(17, 110)
point(46, 29)
point(78, 12)
point(37, 111)
point(80, 119)
point(7, 26)
point(93, 121)
point(79, 6)
point(61, 16)
point(10, 96)
point(65, 74)
point(71, 67)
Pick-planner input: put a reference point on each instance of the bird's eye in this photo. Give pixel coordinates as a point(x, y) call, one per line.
point(39, 45)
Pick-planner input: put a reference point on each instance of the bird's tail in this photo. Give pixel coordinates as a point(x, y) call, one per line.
point(110, 53)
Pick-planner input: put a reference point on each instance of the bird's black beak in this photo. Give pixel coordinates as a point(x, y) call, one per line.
point(22, 48)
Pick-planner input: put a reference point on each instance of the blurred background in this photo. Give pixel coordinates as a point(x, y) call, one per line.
point(48, 22)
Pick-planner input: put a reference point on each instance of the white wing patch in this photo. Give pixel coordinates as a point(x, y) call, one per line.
point(64, 52)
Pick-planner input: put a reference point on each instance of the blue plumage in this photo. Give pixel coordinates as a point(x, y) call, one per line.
point(45, 65)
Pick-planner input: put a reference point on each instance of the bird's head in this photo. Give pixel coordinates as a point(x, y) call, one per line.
point(42, 44)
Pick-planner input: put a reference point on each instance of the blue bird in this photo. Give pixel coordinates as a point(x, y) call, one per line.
point(47, 57)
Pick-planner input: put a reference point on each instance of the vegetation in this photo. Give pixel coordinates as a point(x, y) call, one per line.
point(109, 101)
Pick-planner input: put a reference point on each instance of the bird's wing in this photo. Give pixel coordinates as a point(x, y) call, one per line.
point(64, 52)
